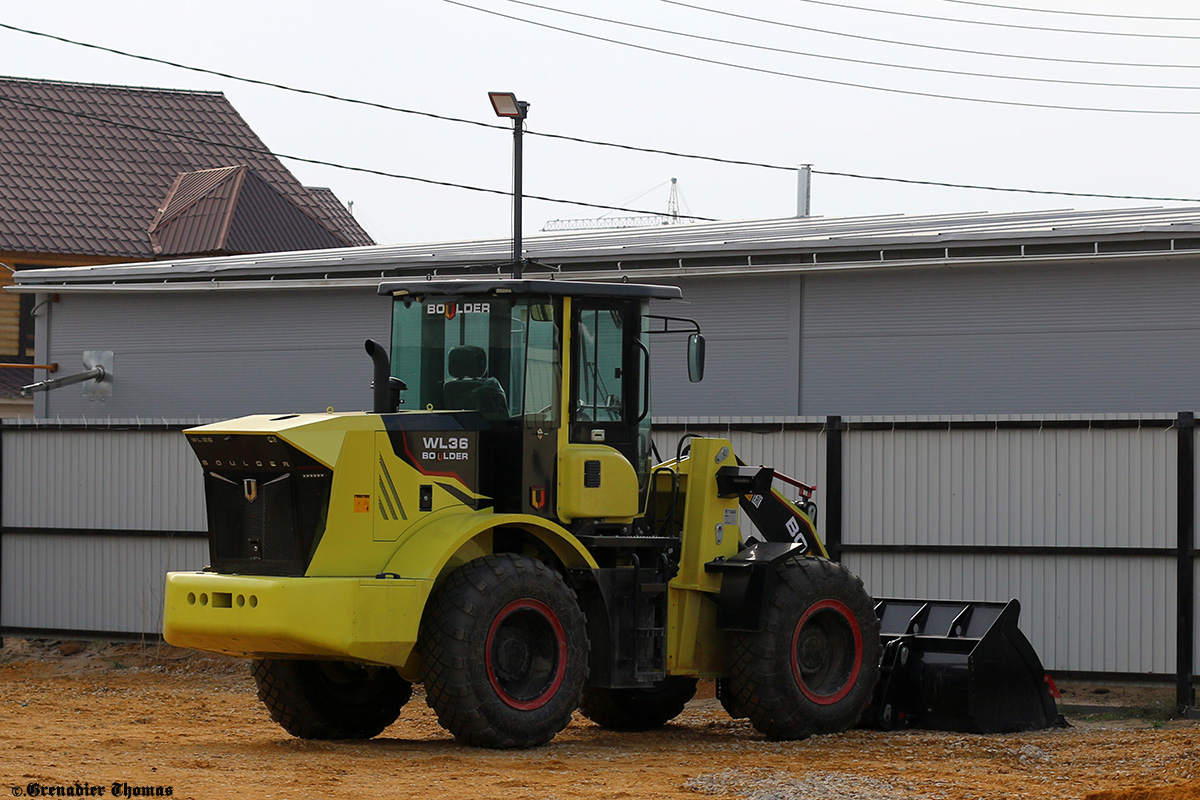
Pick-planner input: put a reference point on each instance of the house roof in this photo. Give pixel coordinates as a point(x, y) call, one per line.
point(339, 213)
point(232, 210)
point(13, 378)
point(727, 248)
point(107, 170)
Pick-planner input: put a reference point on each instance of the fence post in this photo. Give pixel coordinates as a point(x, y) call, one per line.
point(833, 483)
point(1, 536)
point(1185, 630)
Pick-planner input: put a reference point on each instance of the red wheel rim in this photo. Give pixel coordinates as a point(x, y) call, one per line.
point(526, 654)
point(826, 651)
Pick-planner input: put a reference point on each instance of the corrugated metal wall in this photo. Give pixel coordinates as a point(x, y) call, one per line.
point(1017, 338)
point(92, 519)
point(753, 348)
point(1030, 488)
point(1081, 613)
point(1079, 523)
point(102, 479)
point(1076, 517)
point(90, 582)
point(1064, 488)
point(216, 354)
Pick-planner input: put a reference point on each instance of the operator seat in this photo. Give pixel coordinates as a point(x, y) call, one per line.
point(470, 388)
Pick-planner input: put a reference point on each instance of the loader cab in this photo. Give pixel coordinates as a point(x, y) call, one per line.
point(553, 376)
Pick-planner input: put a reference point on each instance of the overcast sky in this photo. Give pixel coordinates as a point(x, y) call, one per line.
point(441, 57)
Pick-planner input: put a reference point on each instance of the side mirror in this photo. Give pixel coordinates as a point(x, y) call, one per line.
point(695, 358)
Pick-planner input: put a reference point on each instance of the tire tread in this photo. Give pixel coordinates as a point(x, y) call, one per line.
point(761, 683)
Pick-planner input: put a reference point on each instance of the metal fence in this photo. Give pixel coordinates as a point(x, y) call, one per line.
point(91, 518)
point(1088, 520)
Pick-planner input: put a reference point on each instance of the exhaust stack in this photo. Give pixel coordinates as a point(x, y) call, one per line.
point(386, 394)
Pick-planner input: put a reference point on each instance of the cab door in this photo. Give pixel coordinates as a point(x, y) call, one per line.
point(609, 391)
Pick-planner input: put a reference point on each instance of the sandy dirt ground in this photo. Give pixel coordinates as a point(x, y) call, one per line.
point(78, 718)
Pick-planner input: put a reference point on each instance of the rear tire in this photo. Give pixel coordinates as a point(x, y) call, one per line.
point(638, 709)
point(814, 666)
point(504, 650)
point(330, 699)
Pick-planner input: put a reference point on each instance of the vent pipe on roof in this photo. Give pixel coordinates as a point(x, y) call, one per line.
point(804, 190)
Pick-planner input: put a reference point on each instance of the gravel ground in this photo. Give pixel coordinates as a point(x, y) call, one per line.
point(85, 716)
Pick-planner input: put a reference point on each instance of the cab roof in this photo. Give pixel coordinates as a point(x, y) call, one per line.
point(536, 288)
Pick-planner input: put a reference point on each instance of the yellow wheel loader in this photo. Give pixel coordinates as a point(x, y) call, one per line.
point(500, 529)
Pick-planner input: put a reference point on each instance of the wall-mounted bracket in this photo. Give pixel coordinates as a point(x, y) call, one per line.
point(97, 379)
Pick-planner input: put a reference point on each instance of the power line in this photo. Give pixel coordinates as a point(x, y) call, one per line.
point(562, 137)
point(918, 45)
point(343, 99)
point(319, 162)
point(255, 81)
point(383, 106)
point(442, 117)
point(828, 81)
point(845, 59)
point(912, 15)
point(860, 176)
point(1004, 189)
point(1073, 13)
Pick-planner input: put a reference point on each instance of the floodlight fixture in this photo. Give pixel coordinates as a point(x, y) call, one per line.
point(506, 104)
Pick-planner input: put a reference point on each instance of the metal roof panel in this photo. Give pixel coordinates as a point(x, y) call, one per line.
point(627, 248)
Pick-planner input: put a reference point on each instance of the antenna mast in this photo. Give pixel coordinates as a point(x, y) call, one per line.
point(639, 221)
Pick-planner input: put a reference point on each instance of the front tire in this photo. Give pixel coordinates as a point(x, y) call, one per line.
point(330, 699)
point(813, 667)
point(504, 650)
point(638, 709)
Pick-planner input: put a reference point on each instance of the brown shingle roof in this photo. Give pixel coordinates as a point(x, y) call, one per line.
point(87, 169)
point(232, 210)
point(337, 211)
point(11, 380)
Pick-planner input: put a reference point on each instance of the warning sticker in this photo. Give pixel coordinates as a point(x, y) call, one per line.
point(362, 504)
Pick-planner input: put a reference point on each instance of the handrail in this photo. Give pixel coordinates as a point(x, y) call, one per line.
point(51, 367)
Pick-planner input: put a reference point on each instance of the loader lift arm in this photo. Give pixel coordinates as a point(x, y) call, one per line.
point(779, 519)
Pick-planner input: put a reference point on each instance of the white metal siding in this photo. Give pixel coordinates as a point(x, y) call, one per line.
point(90, 582)
point(218, 354)
point(1086, 613)
point(1108, 488)
point(753, 348)
point(1021, 338)
point(102, 479)
point(1065, 488)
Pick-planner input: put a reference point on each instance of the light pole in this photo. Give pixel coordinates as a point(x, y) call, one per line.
point(506, 104)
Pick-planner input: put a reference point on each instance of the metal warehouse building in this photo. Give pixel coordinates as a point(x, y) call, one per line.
point(993, 405)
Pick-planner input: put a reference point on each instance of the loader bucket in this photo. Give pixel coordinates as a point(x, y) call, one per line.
point(958, 666)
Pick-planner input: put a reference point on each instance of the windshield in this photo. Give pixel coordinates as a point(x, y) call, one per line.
point(498, 356)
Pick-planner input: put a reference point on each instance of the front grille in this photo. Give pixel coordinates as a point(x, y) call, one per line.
point(244, 531)
point(266, 508)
